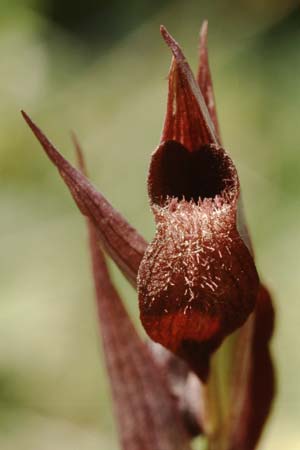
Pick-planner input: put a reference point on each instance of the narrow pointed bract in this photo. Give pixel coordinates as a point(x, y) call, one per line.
point(123, 243)
point(147, 415)
point(204, 77)
point(197, 281)
point(253, 383)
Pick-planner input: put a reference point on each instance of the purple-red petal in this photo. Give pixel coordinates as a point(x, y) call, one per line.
point(187, 119)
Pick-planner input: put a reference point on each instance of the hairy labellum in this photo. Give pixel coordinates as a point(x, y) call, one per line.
point(197, 281)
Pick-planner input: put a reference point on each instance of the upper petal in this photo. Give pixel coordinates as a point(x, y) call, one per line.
point(187, 119)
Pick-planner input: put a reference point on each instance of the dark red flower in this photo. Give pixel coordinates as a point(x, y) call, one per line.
point(197, 281)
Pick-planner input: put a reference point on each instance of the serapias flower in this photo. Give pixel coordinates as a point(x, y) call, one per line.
point(197, 281)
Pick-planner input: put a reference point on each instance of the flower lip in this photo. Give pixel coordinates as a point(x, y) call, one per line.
point(194, 176)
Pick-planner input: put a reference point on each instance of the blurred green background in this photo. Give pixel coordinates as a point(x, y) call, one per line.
point(100, 68)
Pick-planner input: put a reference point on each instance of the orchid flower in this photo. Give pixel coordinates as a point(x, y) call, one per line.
point(197, 282)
